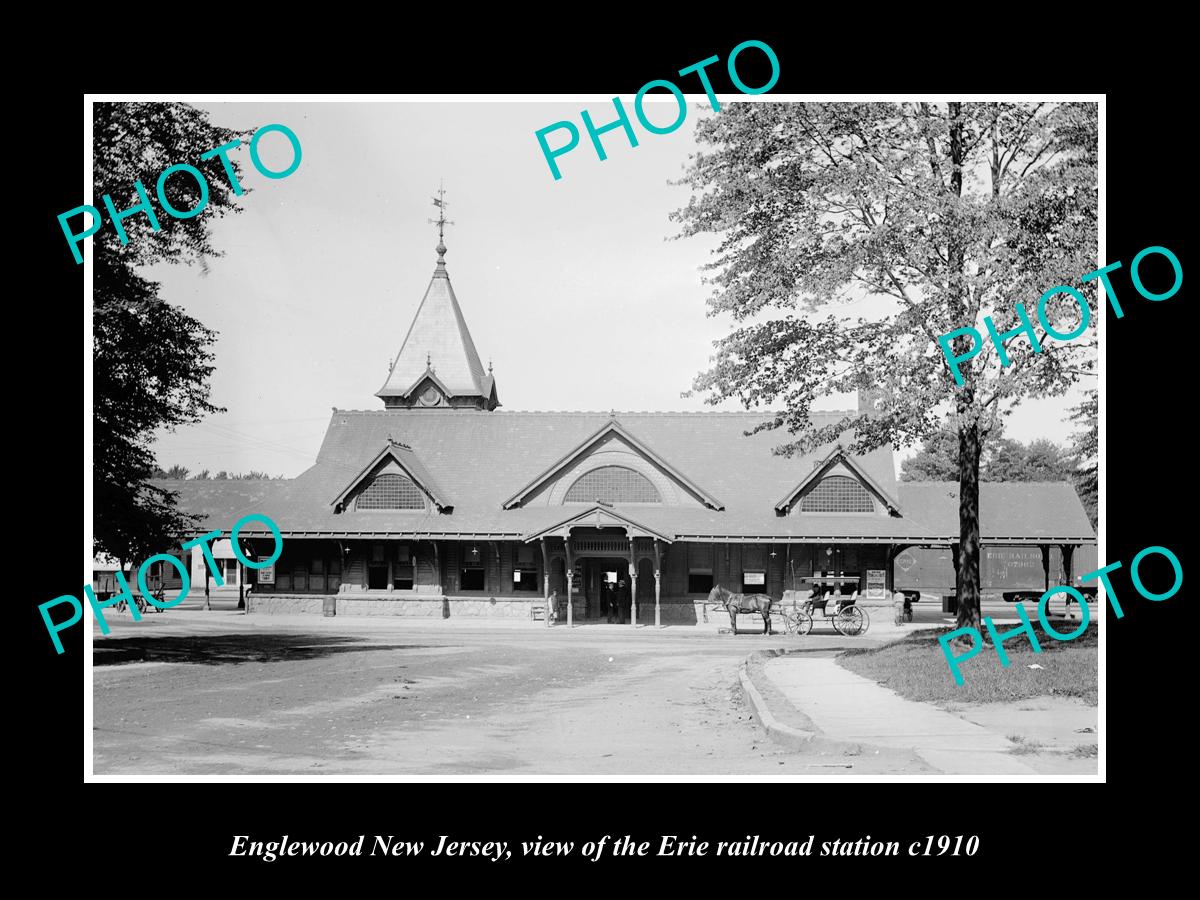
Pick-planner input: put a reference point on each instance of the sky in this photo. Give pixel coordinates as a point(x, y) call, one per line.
point(573, 289)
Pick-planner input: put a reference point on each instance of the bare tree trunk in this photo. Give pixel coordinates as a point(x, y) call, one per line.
point(967, 570)
point(969, 439)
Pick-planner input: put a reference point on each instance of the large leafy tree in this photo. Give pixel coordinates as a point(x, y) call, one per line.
point(1005, 459)
point(151, 360)
point(930, 217)
point(1085, 453)
point(937, 460)
point(1039, 460)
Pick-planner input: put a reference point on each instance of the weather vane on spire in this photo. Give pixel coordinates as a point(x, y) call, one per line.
point(441, 221)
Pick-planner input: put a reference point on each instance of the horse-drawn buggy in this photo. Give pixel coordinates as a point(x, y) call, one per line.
point(800, 609)
point(839, 611)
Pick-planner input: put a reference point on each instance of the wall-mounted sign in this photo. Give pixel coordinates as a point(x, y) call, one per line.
point(876, 584)
point(754, 577)
point(266, 575)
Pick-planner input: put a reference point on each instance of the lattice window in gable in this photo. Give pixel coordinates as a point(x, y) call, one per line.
point(840, 494)
point(391, 491)
point(613, 484)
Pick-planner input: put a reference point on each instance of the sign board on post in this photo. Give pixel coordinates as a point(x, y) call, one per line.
point(266, 575)
point(876, 584)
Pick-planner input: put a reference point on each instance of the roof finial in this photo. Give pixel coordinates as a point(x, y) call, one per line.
point(489, 365)
point(428, 359)
point(441, 222)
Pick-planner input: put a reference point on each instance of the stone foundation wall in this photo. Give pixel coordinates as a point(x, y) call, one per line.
point(415, 606)
point(418, 607)
point(685, 611)
point(442, 607)
point(283, 603)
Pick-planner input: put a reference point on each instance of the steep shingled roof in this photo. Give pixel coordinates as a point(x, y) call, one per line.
point(1012, 512)
point(480, 458)
point(438, 337)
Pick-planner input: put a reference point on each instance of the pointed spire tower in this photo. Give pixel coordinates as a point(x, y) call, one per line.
point(437, 365)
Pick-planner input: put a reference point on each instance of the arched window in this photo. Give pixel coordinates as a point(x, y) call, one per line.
point(390, 491)
point(838, 493)
point(613, 484)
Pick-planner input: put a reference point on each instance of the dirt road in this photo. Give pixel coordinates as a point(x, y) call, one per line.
point(222, 693)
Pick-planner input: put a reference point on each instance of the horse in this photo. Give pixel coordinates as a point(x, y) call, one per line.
point(742, 603)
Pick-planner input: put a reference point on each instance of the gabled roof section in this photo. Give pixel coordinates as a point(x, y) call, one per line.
point(489, 386)
point(597, 516)
point(611, 427)
point(413, 468)
point(437, 337)
point(819, 470)
point(427, 375)
point(1010, 512)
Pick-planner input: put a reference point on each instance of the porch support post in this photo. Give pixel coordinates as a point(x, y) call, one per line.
point(1068, 570)
point(570, 581)
point(657, 585)
point(632, 586)
point(546, 580)
point(1068, 556)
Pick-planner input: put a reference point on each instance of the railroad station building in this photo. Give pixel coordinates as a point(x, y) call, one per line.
point(439, 502)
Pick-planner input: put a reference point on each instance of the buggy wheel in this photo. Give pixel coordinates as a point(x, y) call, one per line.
point(804, 623)
point(851, 621)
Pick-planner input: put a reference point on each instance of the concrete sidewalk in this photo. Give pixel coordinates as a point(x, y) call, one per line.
point(847, 707)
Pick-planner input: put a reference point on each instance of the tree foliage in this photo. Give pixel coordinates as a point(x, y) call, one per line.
point(933, 216)
point(179, 473)
point(1005, 460)
point(151, 361)
point(937, 460)
point(1085, 453)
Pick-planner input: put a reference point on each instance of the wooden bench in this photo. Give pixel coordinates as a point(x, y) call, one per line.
point(538, 608)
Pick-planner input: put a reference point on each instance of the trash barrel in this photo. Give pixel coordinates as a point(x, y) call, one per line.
point(949, 603)
point(330, 606)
